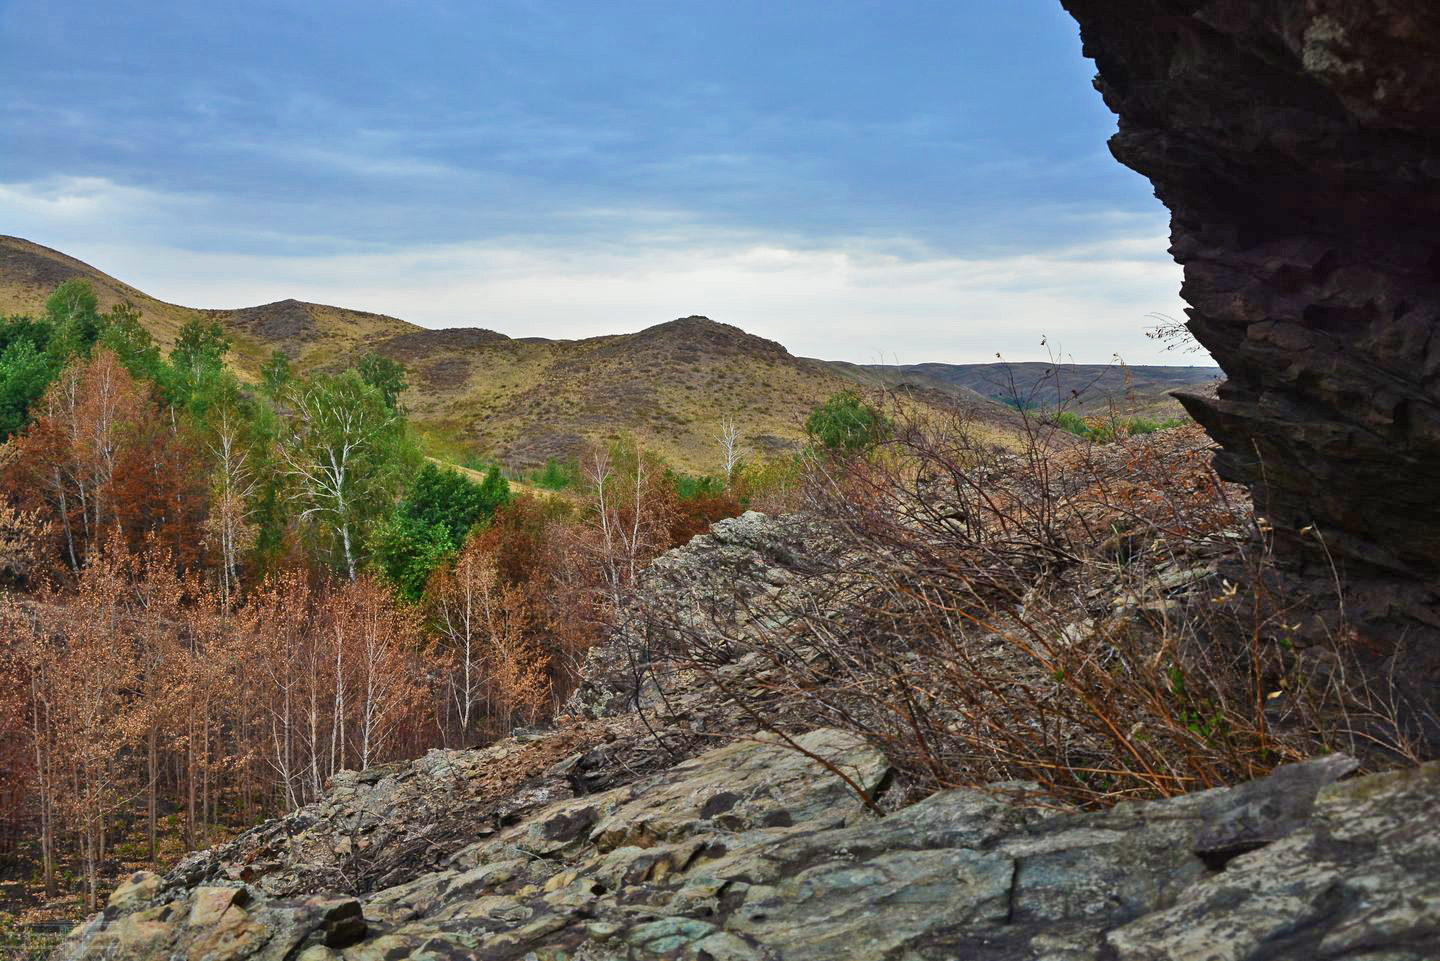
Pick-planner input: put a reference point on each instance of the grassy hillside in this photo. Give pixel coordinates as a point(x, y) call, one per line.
point(517, 400)
point(521, 401)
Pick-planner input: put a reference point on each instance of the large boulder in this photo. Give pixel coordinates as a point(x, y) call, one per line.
point(1297, 145)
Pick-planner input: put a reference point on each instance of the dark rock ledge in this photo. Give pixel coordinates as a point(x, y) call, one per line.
point(1297, 145)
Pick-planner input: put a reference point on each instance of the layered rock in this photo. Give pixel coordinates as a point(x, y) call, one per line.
point(760, 850)
point(719, 584)
point(1297, 145)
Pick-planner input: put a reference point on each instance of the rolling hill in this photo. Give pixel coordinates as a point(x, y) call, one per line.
point(522, 400)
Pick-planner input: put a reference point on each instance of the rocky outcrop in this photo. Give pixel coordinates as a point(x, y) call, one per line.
point(680, 830)
point(717, 584)
point(1297, 145)
point(759, 850)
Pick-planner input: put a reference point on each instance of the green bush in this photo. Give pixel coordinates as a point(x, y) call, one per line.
point(846, 424)
point(408, 551)
point(1070, 421)
point(445, 497)
point(555, 475)
point(689, 487)
point(1018, 403)
point(25, 371)
point(1103, 431)
point(431, 523)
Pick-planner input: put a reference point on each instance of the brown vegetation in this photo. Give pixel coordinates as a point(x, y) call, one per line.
point(1097, 620)
point(148, 683)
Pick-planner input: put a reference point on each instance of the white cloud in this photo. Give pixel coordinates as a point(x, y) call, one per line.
point(848, 302)
point(72, 204)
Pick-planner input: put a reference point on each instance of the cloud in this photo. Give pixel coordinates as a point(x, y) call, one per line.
point(859, 300)
point(62, 201)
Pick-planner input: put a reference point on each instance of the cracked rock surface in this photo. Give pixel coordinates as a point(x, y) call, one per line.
point(761, 850)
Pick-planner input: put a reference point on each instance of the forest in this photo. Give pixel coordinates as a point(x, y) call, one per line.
point(217, 593)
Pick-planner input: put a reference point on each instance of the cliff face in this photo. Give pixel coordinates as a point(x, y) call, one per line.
point(1297, 145)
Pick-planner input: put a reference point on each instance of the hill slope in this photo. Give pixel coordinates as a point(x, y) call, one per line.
point(521, 400)
point(310, 333)
point(1090, 387)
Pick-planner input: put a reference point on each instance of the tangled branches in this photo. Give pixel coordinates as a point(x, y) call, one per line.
point(1098, 620)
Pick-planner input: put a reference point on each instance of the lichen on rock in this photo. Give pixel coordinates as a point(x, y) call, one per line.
point(755, 851)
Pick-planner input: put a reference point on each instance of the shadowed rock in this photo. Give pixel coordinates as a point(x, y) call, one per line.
point(1297, 145)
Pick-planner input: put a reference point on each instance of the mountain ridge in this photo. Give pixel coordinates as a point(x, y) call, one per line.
point(523, 400)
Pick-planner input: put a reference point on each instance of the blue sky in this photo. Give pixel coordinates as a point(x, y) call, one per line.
point(907, 180)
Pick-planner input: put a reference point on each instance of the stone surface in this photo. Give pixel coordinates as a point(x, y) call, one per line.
point(757, 850)
point(1297, 145)
point(715, 583)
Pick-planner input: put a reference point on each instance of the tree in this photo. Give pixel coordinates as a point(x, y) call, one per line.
point(278, 623)
point(73, 312)
point(198, 356)
point(131, 342)
point(446, 497)
point(381, 639)
point(408, 551)
point(384, 374)
point(85, 422)
point(25, 372)
point(26, 369)
point(160, 487)
point(846, 424)
point(275, 376)
point(629, 517)
point(84, 668)
point(23, 541)
point(345, 452)
point(730, 446)
point(18, 327)
point(235, 443)
point(485, 642)
point(430, 523)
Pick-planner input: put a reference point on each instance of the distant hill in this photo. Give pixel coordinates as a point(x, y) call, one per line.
point(1086, 388)
point(521, 400)
point(311, 333)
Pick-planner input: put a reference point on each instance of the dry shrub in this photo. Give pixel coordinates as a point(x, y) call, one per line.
point(694, 515)
point(1095, 619)
point(24, 539)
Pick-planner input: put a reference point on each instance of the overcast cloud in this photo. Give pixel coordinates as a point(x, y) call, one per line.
point(911, 181)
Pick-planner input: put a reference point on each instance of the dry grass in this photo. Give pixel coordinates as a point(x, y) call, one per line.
point(1096, 620)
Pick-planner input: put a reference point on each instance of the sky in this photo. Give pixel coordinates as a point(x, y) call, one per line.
point(898, 181)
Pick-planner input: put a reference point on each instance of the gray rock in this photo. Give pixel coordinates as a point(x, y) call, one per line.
point(753, 851)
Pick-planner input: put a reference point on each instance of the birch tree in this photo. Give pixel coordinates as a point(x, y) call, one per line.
point(730, 446)
point(230, 420)
point(383, 639)
point(344, 452)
